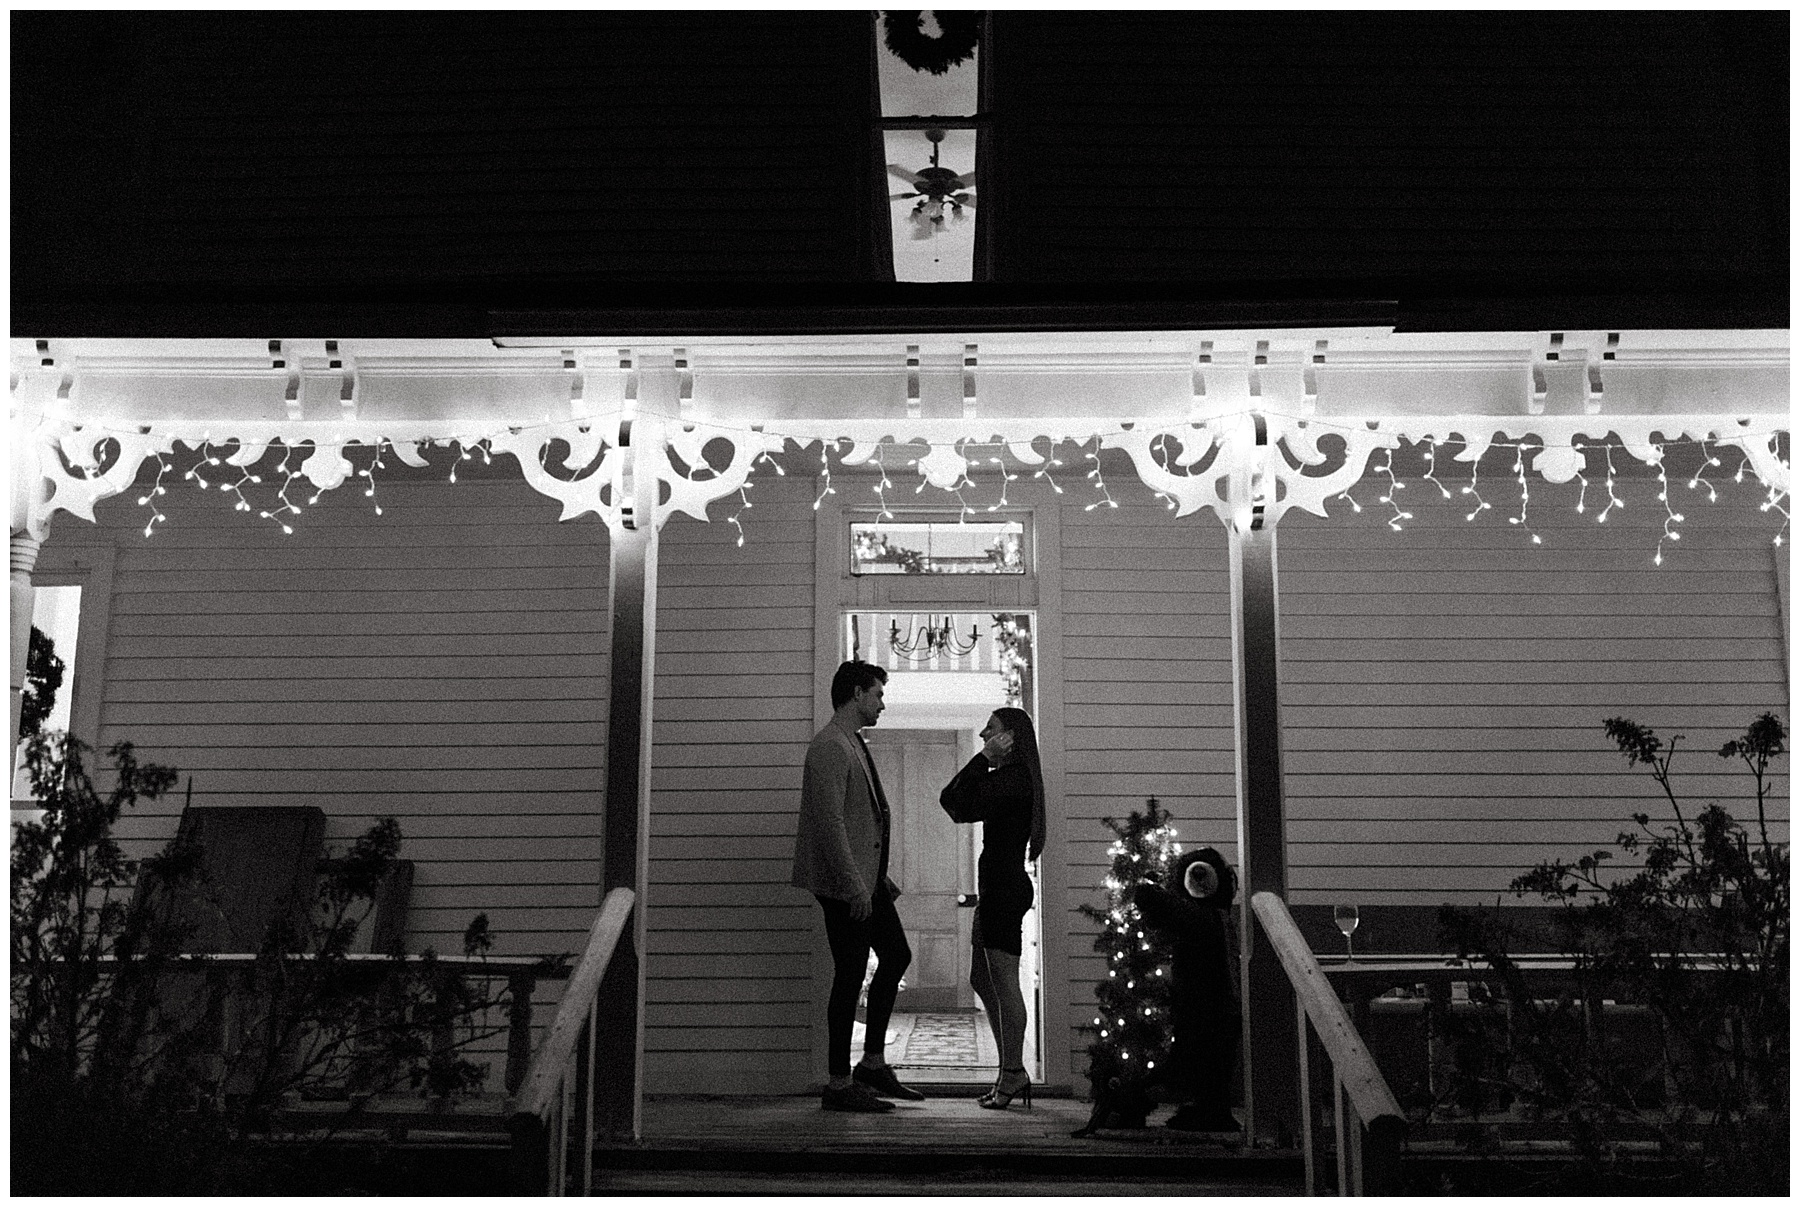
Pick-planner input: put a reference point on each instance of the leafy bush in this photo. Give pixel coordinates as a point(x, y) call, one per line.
point(126, 1078)
point(1697, 937)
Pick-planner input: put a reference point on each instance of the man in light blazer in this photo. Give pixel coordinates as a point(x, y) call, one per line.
point(841, 857)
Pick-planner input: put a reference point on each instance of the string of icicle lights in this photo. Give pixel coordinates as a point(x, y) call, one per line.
point(208, 470)
point(1774, 499)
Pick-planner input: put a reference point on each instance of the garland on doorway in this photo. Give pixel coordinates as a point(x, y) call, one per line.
point(1132, 1030)
point(959, 32)
point(1014, 643)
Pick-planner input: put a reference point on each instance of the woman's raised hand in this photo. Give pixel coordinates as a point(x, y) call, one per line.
point(998, 747)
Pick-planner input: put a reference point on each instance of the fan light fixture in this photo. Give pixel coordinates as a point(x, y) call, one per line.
point(938, 190)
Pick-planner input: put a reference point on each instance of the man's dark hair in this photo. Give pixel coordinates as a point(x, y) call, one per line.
point(853, 677)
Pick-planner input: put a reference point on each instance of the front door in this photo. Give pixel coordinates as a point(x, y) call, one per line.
point(931, 858)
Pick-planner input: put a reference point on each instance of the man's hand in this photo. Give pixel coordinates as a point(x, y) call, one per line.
point(859, 909)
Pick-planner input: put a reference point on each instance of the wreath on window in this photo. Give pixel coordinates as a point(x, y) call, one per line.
point(904, 34)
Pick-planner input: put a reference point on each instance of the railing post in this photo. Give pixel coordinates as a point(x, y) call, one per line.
point(584, 1101)
point(1306, 1120)
point(1339, 1126)
point(1440, 1065)
point(518, 1036)
point(559, 1178)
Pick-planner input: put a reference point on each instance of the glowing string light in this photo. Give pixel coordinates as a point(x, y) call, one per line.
point(825, 447)
point(1431, 466)
point(1612, 497)
point(377, 463)
point(962, 517)
point(1394, 484)
point(1006, 478)
point(1099, 480)
point(205, 458)
point(1162, 449)
point(1773, 502)
point(287, 505)
point(149, 499)
point(1523, 518)
point(881, 487)
point(1672, 518)
point(1159, 452)
point(1699, 478)
point(744, 503)
point(463, 445)
point(1474, 488)
point(237, 489)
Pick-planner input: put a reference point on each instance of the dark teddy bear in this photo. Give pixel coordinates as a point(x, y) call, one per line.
point(1195, 911)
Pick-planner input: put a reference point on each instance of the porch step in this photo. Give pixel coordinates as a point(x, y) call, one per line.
point(944, 1145)
point(925, 1179)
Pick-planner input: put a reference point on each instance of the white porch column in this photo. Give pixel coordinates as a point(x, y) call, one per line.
point(618, 1103)
point(1271, 1089)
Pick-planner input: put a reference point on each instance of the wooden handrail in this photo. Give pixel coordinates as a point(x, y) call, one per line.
point(1358, 1080)
point(543, 1081)
point(1363, 1081)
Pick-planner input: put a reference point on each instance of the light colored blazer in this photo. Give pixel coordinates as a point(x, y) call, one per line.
point(837, 849)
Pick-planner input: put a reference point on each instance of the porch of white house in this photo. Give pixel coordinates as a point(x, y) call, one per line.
point(1376, 672)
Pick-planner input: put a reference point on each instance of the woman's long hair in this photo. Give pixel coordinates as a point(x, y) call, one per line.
point(1018, 723)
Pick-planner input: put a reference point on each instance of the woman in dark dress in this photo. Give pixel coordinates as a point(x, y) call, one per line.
point(1002, 787)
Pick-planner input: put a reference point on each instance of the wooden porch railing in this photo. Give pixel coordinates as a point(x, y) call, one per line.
point(555, 1101)
point(1366, 1117)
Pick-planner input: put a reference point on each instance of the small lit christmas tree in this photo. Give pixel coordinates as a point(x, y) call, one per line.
point(1131, 1029)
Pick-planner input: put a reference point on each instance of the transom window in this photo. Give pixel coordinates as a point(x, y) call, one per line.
point(934, 546)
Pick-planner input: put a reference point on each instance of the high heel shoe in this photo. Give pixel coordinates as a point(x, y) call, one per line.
point(1001, 1096)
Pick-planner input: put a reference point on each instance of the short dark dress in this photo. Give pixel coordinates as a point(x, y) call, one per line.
point(1000, 799)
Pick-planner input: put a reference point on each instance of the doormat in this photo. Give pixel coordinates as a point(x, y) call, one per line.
point(941, 1041)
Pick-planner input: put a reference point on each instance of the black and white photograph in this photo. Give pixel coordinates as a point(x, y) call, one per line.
point(949, 603)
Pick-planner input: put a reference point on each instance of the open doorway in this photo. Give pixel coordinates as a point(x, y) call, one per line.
point(937, 702)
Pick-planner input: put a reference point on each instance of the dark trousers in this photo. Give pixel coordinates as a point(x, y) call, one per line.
point(851, 941)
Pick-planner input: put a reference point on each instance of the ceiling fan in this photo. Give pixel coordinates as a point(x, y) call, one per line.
point(938, 189)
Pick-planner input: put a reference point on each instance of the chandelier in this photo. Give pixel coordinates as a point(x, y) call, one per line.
point(920, 645)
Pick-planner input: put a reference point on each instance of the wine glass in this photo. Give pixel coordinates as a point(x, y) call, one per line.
point(1346, 919)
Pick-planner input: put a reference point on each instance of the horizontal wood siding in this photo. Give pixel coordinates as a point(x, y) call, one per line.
point(1147, 698)
point(729, 1003)
point(1445, 686)
point(444, 663)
